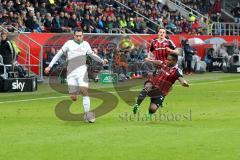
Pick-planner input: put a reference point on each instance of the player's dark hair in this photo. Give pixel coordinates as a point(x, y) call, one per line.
point(78, 30)
point(158, 28)
point(4, 33)
point(174, 56)
point(161, 28)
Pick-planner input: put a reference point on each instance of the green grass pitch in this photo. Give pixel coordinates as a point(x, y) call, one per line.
point(207, 127)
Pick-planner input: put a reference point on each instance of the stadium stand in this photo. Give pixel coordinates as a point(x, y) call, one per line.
point(93, 16)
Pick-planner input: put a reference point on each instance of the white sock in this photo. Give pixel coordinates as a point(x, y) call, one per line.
point(86, 103)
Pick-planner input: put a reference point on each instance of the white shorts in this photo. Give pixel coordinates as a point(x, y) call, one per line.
point(77, 80)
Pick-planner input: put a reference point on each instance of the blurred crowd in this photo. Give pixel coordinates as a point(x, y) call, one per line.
point(236, 13)
point(127, 63)
point(94, 16)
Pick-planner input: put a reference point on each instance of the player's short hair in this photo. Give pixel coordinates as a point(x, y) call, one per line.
point(4, 33)
point(78, 30)
point(174, 56)
point(161, 28)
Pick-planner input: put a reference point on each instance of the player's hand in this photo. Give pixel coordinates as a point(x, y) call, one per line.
point(185, 84)
point(168, 49)
point(95, 50)
point(105, 61)
point(47, 70)
point(148, 59)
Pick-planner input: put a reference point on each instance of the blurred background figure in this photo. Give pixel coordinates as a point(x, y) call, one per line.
point(209, 59)
point(188, 56)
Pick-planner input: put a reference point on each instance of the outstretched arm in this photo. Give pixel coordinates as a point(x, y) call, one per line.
point(172, 48)
point(54, 60)
point(97, 58)
point(183, 82)
point(91, 53)
point(175, 51)
point(158, 62)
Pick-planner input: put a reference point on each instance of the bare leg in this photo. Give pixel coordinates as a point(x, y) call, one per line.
point(73, 96)
point(153, 108)
point(142, 95)
point(86, 99)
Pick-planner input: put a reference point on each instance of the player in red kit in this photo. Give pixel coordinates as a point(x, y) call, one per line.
point(158, 85)
point(161, 47)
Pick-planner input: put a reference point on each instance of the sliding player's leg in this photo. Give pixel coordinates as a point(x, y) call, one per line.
point(156, 102)
point(142, 95)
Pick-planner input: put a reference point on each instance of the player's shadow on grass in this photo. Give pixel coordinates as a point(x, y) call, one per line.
point(62, 110)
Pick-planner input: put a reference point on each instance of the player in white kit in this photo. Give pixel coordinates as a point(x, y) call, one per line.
point(77, 75)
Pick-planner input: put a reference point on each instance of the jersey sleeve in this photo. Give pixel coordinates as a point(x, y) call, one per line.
point(179, 73)
point(92, 54)
point(63, 50)
point(88, 49)
point(151, 49)
point(172, 45)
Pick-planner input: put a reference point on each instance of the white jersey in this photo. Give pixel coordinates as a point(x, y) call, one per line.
point(76, 56)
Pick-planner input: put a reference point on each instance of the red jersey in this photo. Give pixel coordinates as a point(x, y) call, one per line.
point(165, 77)
point(158, 48)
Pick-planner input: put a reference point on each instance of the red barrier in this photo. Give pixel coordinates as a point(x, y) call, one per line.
point(57, 40)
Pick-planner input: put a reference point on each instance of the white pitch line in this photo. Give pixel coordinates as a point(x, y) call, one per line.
point(221, 81)
point(35, 99)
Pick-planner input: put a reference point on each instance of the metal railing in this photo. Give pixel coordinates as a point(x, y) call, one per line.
point(27, 58)
point(227, 8)
point(146, 18)
point(225, 29)
point(187, 9)
point(126, 30)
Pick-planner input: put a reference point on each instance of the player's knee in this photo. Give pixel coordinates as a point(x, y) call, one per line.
point(84, 91)
point(152, 109)
point(84, 94)
point(73, 97)
point(148, 86)
point(143, 94)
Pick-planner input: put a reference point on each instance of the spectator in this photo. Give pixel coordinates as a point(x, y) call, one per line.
point(42, 9)
point(57, 24)
point(223, 53)
point(109, 23)
point(29, 6)
point(1, 18)
point(86, 21)
point(6, 50)
point(93, 23)
point(192, 18)
point(236, 13)
point(123, 22)
point(131, 24)
point(120, 63)
point(217, 7)
point(39, 18)
point(36, 26)
point(196, 26)
point(66, 22)
point(189, 52)
point(109, 11)
point(73, 22)
point(209, 59)
point(47, 22)
point(29, 22)
point(10, 6)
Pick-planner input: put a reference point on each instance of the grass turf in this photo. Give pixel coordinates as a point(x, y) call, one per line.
point(207, 126)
